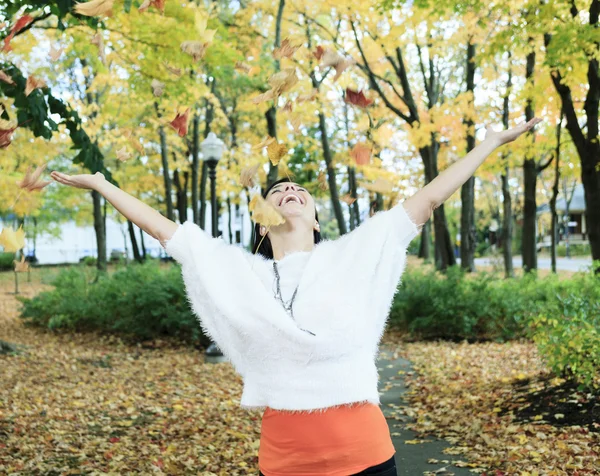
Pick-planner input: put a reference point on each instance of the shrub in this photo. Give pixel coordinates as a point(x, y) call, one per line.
point(140, 301)
point(6, 261)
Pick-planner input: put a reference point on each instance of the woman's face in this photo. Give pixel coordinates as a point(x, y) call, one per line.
point(292, 200)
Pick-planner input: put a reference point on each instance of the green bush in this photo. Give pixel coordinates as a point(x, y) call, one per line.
point(140, 301)
point(574, 250)
point(6, 261)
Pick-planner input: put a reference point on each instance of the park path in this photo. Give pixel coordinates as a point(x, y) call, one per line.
point(411, 459)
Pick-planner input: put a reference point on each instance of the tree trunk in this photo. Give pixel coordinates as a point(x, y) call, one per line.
point(195, 166)
point(333, 191)
point(142, 243)
point(100, 229)
point(555, 187)
point(467, 191)
point(425, 246)
point(528, 245)
point(507, 211)
point(134, 245)
point(229, 219)
point(181, 194)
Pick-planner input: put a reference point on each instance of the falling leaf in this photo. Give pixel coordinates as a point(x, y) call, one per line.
point(246, 68)
point(31, 182)
point(6, 130)
point(195, 49)
point(158, 4)
point(332, 58)
point(276, 151)
point(308, 97)
point(263, 97)
point(289, 106)
point(361, 154)
point(296, 122)
point(268, 141)
point(33, 83)
point(380, 185)
point(157, 87)
point(286, 50)
point(263, 212)
point(12, 240)
point(6, 78)
point(137, 145)
point(98, 40)
point(247, 176)
point(17, 27)
point(55, 53)
point(21, 266)
point(173, 70)
point(95, 8)
point(123, 154)
point(347, 199)
point(206, 36)
point(180, 123)
point(318, 53)
point(283, 81)
point(322, 180)
point(357, 98)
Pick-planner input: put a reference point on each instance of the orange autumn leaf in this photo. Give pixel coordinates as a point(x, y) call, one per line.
point(322, 180)
point(347, 199)
point(289, 106)
point(286, 50)
point(361, 154)
point(11, 240)
point(31, 182)
point(318, 53)
point(21, 266)
point(276, 151)
point(180, 123)
point(6, 78)
point(17, 27)
point(33, 83)
point(158, 4)
point(95, 8)
point(6, 131)
point(263, 212)
point(247, 175)
point(357, 98)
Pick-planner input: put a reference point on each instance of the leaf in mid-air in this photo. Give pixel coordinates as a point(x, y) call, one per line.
point(98, 40)
point(288, 107)
point(322, 179)
point(283, 81)
point(269, 140)
point(347, 199)
point(158, 4)
point(246, 68)
point(318, 53)
point(21, 266)
point(33, 83)
point(247, 176)
point(195, 49)
point(286, 50)
point(264, 97)
point(308, 97)
point(276, 151)
point(6, 130)
point(17, 27)
point(201, 21)
point(180, 123)
point(361, 154)
point(12, 240)
point(6, 78)
point(357, 98)
point(157, 87)
point(55, 53)
point(123, 154)
point(31, 182)
point(173, 70)
point(331, 58)
point(380, 185)
point(263, 212)
point(95, 8)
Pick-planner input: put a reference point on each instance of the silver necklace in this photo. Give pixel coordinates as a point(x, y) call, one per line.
point(289, 305)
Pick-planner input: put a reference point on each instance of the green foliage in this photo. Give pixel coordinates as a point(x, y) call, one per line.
point(6, 261)
point(139, 302)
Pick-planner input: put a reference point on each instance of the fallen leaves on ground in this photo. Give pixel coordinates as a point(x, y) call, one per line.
point(471, 395)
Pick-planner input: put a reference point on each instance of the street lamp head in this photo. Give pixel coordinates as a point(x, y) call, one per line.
point(212, 147)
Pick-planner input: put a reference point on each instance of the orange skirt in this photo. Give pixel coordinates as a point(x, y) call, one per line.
point(338, 441)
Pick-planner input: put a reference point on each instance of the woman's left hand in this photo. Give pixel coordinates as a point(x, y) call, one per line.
point(509, 135)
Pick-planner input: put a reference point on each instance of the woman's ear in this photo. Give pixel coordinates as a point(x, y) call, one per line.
point(317, 226)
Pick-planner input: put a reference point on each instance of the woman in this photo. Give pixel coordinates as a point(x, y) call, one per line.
point(301, 318)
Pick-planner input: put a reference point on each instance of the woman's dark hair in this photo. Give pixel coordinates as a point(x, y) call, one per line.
point(265, 249)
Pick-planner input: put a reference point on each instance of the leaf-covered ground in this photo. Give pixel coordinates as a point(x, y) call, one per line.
point(83, 404)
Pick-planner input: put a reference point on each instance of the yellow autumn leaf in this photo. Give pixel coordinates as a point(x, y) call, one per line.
point(263, 212)
point(12, 240)
point(95, 8)
point(206, 36)
point(276, 151)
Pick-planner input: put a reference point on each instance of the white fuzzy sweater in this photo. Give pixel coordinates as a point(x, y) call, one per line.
point(344, 296)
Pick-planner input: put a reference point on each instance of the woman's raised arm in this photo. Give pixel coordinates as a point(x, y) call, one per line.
point(420, 206)
point(144, 216)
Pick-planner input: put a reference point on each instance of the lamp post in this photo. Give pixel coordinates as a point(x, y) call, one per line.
point(212, 151)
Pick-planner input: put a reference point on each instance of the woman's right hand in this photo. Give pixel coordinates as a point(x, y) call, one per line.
point(85, 181)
